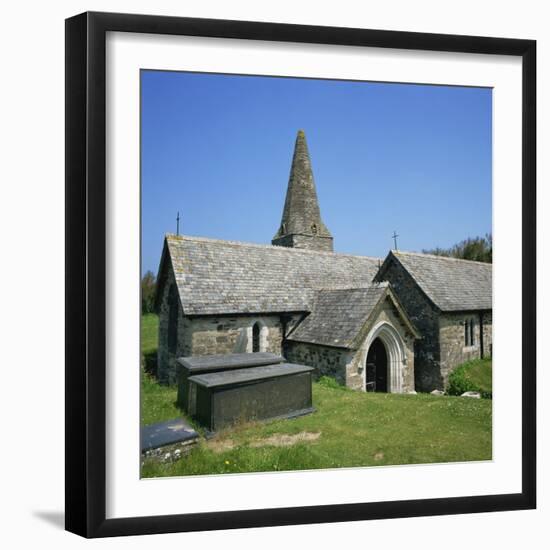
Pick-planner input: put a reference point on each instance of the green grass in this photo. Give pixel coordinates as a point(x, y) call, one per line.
point(476, 375)
point(149, 333)
point(356, 429)
point(158, 402)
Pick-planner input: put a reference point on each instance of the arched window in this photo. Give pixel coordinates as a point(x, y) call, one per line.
point(256, 338)
point(173, 319)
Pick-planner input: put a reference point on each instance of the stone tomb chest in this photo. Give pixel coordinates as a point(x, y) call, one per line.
point(257, 393)
point(190, 366)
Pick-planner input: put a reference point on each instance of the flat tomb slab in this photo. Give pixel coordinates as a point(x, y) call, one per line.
point(166, 433)
point(205, 363)
point(189, 366)
point(260, 393)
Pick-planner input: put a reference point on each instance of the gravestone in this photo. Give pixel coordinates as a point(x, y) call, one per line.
point(166, 433)
point(257, 393)
point(189, 366)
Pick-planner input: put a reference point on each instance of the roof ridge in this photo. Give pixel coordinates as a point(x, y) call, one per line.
point(381, 284)
point(438, 257)
point(267, 246)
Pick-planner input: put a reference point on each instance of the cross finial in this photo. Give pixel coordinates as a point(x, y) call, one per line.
point(178, 224)
point(394, 236)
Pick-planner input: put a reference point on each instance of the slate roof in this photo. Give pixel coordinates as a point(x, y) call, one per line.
point(339, 315)
point(450, 283)
point(223, 277)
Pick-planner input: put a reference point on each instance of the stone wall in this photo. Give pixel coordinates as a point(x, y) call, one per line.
point(166, 366)
point(487, 334)
point(453, 348)
point(425, 317)
point(214, 335)
point(305, 241)
point(326, 360)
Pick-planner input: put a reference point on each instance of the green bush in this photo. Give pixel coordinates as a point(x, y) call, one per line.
point(471, 376)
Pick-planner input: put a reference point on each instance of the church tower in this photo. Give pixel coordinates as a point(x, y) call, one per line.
point(301, 225)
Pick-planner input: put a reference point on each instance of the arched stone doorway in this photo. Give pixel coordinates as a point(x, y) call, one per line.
point(377, 367)
point(384, 346)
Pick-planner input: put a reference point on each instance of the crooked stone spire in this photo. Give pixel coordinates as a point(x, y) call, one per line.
point(301, 225)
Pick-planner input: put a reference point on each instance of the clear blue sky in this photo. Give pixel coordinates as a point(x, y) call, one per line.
point(412, 158)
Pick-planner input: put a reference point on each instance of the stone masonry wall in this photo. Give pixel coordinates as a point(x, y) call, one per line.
point(454, 350)
point(488, 334)
point(166, 366)
point(213, 335)
point(305, 241)
point(325, 360)
point(425, 317)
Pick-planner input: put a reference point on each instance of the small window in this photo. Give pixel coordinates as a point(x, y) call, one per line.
point(256, 338)
point(469, 338)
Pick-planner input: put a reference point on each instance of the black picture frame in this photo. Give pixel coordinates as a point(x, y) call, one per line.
point(86, 284)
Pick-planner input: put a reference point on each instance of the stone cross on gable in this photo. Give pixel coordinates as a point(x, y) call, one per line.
point(394, 236)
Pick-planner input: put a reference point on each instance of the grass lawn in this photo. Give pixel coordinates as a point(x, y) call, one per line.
point(349, 429)
point(157, 402)
point(480, 372)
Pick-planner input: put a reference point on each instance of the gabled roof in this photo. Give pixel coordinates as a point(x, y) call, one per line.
point(451, 284)
point(224, 277)
point(339, 316)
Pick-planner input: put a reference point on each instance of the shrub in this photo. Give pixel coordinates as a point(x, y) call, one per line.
point(462, 380)
point(459, 382)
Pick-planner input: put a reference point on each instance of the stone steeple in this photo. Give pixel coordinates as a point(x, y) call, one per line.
point(301, 224)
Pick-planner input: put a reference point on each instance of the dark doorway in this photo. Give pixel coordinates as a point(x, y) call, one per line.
point(377, 367)
point(256, 338)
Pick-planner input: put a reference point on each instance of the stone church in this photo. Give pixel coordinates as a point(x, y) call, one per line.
point(398, 324)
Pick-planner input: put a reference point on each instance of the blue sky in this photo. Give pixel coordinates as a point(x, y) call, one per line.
point(217, 148)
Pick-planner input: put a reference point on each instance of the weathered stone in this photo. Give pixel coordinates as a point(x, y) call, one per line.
point(437, 392)
point(442, 346)
point(472, 394)
point(161, 434)
point(301, 224)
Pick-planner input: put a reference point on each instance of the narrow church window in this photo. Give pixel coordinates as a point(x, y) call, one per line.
point(256, 338)
point(469, 339)
point(172, 319)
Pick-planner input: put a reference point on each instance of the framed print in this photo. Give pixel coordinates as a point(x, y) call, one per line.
point(293, 255)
